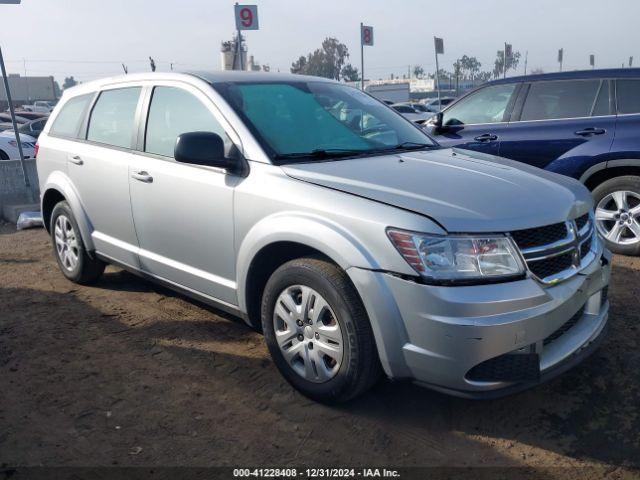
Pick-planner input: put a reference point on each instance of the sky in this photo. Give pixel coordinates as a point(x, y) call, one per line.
point(90, 38)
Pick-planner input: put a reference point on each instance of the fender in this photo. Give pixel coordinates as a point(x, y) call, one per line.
point(57, 180)
point(314, 231)
point(623, 162)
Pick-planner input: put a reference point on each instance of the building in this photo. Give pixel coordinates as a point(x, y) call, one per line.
point(232, 58)
point(26, 90)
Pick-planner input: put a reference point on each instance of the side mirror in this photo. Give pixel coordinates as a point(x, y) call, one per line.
point(201, 148)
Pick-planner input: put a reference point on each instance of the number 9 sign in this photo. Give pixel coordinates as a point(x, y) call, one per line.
point(246, 17)
point(367, 35)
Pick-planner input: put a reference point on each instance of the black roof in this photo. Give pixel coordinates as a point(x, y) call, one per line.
point(574, 75)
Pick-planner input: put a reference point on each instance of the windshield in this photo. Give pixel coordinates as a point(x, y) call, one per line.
point(319, 120)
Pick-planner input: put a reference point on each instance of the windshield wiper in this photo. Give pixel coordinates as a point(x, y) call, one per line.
point(321, 153)
point(411, 146)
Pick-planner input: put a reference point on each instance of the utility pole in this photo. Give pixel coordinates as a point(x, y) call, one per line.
point(361, 57)
point(526, 57)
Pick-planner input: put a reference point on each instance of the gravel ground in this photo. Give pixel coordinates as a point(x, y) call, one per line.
point(128, 373)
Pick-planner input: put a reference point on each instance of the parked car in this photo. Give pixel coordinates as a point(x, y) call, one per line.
point(9, 146)
point(31, 115)
point(32, 128)
point(40, 106)
point(581, 124)
point(433, 105)
point(356, 250)
point(6, 118)
point(409, 112)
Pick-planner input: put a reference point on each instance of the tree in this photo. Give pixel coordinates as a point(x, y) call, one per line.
point(469, 66)
point(350, 73)
point(69, 82)
point(512, 63)
point(418, 71)
point(327, 61)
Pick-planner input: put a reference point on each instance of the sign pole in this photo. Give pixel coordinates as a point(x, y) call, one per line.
point(438, 78)
point(15, 125)
point(504, 56)
point(361, 59)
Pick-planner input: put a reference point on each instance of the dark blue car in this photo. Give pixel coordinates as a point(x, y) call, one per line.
point(584, 124)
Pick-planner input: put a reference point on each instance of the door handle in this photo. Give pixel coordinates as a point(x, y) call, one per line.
point(587, 132)
point(142, 176)
point(75, 159)
point(486, 137)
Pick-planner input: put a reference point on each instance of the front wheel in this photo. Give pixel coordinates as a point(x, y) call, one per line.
point(618, 214)
point(318, 331)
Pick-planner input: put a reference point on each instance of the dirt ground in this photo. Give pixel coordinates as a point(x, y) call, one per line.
point(128, 373)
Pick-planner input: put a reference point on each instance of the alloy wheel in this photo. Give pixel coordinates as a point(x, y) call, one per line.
point(66, 243)
point(618, 217)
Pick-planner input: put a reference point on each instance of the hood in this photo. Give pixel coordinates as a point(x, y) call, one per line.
point(463, 191)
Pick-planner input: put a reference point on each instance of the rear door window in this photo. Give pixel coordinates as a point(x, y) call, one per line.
point(488, 105)
point(628, 93)
point(113, 117)
point(67, 122)
point(560, 99)
point(601, 106)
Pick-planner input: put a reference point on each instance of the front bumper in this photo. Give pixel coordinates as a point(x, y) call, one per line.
point(464, 339)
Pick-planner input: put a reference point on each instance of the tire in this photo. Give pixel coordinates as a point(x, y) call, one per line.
point(3, 155)
point(605, 196)
point(76, 265)
point(342, 317)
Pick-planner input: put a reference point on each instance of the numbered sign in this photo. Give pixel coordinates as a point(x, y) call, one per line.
point(367, 35)
point(247, 17)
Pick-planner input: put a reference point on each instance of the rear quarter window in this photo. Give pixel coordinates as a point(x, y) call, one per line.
point(67, 122)
point(628, 93)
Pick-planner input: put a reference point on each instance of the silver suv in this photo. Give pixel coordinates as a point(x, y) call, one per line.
point(321, 216)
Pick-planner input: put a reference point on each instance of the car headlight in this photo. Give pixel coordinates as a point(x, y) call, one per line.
point(459, 258)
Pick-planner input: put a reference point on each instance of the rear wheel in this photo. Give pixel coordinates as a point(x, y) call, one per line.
point(71, 255)
point(318, 332)
point(618, 214)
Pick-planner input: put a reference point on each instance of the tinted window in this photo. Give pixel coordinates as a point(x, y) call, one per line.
point(173, 112)
point(303, 117)
point(561, 99)
point(113, 117)
point(601, 107)
point(628, 92)
point(487, 105)
point(68, 121)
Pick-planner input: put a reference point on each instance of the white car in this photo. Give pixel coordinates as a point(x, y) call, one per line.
point(9, 146)
point(40, 106)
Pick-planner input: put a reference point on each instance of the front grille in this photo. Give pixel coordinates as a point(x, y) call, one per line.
point(534, 237)
point(582, 221)
point(554, 252)
point(564, 328)
point(511, 367)
point(551, 266)
point(585, 248)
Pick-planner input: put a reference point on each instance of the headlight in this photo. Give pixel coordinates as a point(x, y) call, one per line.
point(458, 258)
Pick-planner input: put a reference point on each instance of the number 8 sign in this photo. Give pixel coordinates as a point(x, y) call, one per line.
point(246, 17)
point(367, 35)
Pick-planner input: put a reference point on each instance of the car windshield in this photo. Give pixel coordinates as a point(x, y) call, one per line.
point(305, 121)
